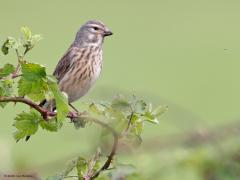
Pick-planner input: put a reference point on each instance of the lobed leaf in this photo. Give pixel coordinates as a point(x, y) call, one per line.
point(33, 71)
point(121, 104)
point(6, 89)
point(26, 124)
point(50, 125)
point(33, 82)
point(33, 89)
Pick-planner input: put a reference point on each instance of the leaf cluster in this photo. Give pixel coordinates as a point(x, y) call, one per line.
point(122, 117)
point(33, 83)
point(127, 116)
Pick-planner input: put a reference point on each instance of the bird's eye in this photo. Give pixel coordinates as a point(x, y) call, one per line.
point(96, 28)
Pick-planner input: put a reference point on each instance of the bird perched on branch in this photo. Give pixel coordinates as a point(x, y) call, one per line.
point(81, 65)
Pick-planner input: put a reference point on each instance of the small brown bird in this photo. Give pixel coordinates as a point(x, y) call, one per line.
point(81, 65)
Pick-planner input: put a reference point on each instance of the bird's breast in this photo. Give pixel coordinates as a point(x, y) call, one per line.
point(82, 77)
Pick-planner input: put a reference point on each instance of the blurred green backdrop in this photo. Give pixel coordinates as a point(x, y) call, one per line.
point(184, 54)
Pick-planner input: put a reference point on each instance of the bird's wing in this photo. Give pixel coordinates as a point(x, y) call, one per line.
point(64, 64)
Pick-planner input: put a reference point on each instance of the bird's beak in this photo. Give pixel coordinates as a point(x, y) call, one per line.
point(108, 33)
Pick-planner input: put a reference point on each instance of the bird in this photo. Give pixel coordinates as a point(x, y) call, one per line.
point(81, 65)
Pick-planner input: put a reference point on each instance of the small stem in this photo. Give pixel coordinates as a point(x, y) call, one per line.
point(15, 73)
point(129, 122)
point(45, 113)
point(16, 76)
point(114, 147)
point(25, 52)
point(18, 56)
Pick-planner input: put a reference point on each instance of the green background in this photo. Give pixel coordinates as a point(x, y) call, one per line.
point(184, 54)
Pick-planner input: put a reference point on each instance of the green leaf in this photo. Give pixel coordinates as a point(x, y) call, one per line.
point(10, 43)
point(138, 129)
point(148, 116)
point(121, 104)
point(26, 124)
point(82, 167)
point(69, 168)
point(96, 108)
point(6, 89)
point(5, 48)
point(31, 40)
point(30, 43)
point(151, 116)
point(33, 82)
point(140, 106)
point(50, 125)
point(159, 110)
point(19, 135)
point(60, 98)
point(135, 118)
point(33, 89)
point(35, 39)
point(33, 71)
point(26, 32)
point(6, 70)
point(94, 164)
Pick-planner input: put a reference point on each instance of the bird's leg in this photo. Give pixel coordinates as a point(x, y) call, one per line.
point(73, 114)
point(75, 109)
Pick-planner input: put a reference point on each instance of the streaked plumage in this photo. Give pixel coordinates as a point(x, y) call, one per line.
point(81, 65)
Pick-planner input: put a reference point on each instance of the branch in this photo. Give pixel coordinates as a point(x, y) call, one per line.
point(45, 113)
point(114, 147)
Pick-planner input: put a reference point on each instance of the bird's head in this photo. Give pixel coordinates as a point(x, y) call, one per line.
point(92, 32)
